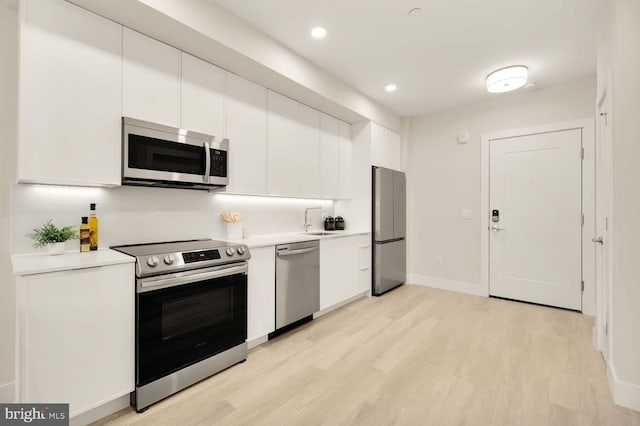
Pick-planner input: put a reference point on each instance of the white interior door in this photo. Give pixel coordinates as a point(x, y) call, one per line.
point(604, 170)
point(535, 245)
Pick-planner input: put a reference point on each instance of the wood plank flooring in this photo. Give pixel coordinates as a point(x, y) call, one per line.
point(416, 356)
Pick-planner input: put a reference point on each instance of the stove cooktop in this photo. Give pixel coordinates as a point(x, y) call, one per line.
point(174, 256)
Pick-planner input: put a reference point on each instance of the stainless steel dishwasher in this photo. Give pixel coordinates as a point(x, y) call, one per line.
point(297, 284)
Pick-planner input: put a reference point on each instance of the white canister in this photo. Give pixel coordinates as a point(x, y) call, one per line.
point(234, 231)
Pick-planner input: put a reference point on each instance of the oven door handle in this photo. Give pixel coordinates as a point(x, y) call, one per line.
point(207, 162)
point(181, 278)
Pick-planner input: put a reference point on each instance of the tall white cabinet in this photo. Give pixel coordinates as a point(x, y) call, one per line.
point(70, 95)
point(150, 79)
point(329, 156)
point(308, 147)
point(202, 96)
point(283, 153)
point(246, 118)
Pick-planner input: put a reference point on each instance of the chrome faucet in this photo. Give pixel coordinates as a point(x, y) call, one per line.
point(307, 224)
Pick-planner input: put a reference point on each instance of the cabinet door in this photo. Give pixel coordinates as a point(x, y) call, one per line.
point(77, 336)
point(364, 262)
point(247, 132)
point(150, 79)
point(261, 292)
point(70, 96)
point(309, 152)
point(345, 145)
point(329, 157)
point(202, 100)
point(386, 150)
point(338, 270)
point(282, 142)
point(394, 150)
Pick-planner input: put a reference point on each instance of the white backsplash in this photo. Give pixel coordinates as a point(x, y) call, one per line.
point(130, 215)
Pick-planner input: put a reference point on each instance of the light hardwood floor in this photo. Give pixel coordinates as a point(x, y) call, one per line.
point(416, 356)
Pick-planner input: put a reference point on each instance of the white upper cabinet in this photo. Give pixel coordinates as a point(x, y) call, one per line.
point(282, 131)
point(70, 96)
point(202, 100)
point(345, 145)
point(329, 157)
point(386, 147)
point(309, 152)
point(150, 79)
point(247, 132)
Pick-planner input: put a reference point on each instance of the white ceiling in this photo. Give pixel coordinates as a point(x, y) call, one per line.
point(440, 58)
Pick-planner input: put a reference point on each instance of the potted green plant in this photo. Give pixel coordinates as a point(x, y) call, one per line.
point(52, 237)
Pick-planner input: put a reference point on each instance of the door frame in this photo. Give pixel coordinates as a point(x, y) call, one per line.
point(587, 125)
point(604, 104)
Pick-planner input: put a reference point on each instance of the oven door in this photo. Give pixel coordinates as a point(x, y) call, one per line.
point(186, 317)
point(157, 153)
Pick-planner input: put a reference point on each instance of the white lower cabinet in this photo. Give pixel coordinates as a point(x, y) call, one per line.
point(261, 315)
point(76, 336)
point(344, 268)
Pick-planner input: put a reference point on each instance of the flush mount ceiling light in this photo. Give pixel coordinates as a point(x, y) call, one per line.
point(507, 79)
point(318, 32)
point(390, 87)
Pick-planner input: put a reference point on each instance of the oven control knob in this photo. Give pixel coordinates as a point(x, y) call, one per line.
point(152, 261)
point(240, 251)
point(230, 251)
point(169, 259)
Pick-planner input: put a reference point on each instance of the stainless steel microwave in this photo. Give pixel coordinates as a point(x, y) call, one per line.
point(158, 155)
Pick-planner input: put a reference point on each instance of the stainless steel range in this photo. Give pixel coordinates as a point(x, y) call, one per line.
point(191, 313)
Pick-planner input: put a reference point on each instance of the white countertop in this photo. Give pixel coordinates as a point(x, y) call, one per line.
point(291, 237)
point(29, 264)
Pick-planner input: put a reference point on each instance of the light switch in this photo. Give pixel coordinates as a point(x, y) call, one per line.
point(466, 214)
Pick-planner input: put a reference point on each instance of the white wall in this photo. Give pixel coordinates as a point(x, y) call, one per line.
point(444, 177)
point(129, 215)
point(8, 129)
point(619, 52)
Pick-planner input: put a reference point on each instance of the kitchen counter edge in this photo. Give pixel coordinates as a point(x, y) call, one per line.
point(38, 263)
point(290, 237)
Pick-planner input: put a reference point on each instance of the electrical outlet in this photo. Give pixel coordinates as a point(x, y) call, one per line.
point(439, 260)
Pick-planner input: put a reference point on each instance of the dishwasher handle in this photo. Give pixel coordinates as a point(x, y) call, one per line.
point(286, 252)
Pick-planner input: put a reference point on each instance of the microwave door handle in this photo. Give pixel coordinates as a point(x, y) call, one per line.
point(207, 162)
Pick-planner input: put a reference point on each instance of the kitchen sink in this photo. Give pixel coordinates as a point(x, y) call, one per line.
point(320, 233)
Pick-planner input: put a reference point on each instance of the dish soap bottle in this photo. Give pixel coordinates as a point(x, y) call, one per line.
point(93, 226)
point(85, 233)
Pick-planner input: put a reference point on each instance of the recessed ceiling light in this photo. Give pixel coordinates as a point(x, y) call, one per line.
point(390, 87)
point(318, 32)
point(507, 79)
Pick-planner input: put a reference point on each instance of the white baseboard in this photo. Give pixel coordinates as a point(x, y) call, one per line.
point(341, 304)
point(8, 392)
point(100, 412)
point(452, 285)
point(624, 393)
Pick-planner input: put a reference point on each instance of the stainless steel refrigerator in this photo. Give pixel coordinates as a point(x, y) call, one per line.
point(389, 227)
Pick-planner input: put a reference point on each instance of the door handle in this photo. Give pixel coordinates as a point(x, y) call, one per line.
point(598, 240)
point(496, 228)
